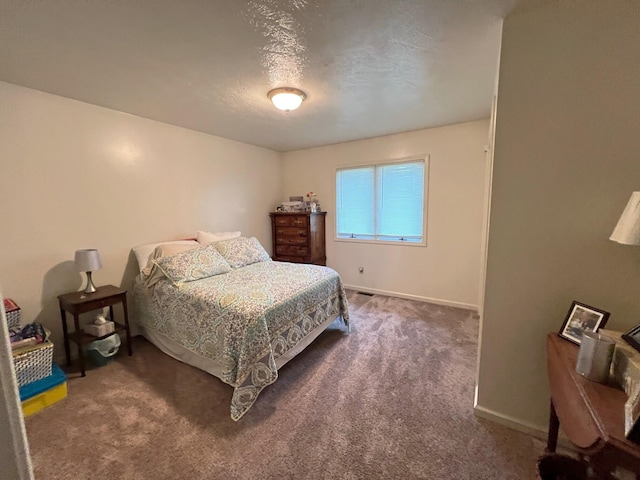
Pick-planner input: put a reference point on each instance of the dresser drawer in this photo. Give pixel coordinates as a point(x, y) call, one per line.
point(291, 250)
point(289, 259)
point(291, 220)
point(289, 240)
point(291, 232)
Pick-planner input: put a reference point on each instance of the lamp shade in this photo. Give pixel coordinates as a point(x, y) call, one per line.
point(286, 98)
point(88, 260)
point(627, 230)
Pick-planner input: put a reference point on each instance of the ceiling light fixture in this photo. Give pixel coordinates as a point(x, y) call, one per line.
point(286, 98)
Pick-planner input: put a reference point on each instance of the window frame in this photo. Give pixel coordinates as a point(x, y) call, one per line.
point(417, 158)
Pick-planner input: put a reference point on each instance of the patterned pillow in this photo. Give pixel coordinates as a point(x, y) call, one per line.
point(242, 251)
point(166, 250)
point(193, 264)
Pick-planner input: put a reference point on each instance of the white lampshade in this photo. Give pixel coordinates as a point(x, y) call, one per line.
point(286, 99)
point(88, 260)
point(627, 230)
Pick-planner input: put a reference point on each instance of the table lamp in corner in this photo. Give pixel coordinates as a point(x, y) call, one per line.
point(627, 230)
point(88, 260)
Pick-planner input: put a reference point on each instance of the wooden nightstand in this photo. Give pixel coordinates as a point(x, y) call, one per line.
point(79, 302)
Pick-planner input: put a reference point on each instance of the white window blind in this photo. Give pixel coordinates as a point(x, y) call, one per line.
point(381, 202)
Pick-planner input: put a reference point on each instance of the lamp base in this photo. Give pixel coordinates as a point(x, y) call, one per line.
point(90, 288)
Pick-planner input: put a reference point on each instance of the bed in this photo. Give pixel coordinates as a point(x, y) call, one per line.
point(225, 307)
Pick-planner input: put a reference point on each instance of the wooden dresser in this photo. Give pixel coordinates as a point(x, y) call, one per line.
point(299, 237)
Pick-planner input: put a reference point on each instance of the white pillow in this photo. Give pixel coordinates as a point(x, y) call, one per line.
point(143, 252)
point(209, 237)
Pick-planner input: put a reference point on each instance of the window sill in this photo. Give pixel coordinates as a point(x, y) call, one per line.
point(381, 242)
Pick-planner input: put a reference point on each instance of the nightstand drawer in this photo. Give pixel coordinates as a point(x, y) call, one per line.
point(106, 302)
point(291, 220)
point(99, 303)
point(290, 250)
point(291, 232)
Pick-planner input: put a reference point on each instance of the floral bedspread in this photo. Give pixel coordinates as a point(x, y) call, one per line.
point(245, 319)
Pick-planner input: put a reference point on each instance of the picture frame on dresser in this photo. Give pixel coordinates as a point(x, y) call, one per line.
point(581, 318)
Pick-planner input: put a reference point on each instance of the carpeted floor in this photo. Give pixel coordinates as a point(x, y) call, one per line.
point(392, 400)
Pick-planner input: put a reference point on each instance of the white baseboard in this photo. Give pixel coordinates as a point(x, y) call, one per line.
point(437, 301)
point(537, 431)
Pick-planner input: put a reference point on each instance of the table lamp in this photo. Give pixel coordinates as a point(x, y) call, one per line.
point(88, 260)
point(627, 232)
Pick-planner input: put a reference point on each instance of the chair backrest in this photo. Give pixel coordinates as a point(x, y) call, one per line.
point(554, 466)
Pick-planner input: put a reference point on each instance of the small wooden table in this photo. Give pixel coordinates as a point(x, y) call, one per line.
point(77, 303)
point(591, 413)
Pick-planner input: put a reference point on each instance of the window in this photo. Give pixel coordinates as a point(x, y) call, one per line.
point(381, 202)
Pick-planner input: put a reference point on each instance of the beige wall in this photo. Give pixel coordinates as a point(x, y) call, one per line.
point(79, 176)
point(566, 161)
point(447, 270)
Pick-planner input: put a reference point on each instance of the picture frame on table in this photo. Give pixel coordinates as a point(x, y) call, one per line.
point(632, 337)
point(580, 318)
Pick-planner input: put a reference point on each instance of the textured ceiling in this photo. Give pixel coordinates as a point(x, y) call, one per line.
point(369, 68)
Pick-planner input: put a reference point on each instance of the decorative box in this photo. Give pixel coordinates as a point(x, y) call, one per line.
point(33, 363)
point(293, 206)
point(625, 365)
point(44, 392)
point(13, 312)
point(99, 330)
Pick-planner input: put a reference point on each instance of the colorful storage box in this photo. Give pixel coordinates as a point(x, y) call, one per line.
point(13, 312)
point(33, 363)
point(44, 392)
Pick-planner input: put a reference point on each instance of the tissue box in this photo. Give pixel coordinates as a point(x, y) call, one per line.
point(99, 330)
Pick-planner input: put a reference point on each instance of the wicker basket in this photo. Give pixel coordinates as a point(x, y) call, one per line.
point(13, 312)
point(33, 364)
